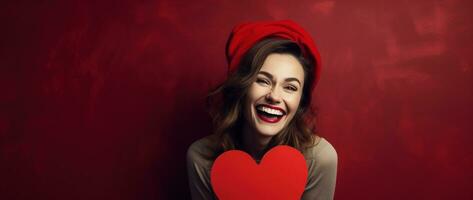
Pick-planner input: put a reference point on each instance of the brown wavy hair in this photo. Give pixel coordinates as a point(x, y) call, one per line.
point(225, 103)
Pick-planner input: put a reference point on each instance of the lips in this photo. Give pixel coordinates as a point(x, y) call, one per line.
point(270, 114)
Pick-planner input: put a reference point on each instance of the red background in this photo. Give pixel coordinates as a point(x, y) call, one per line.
point(100, 100)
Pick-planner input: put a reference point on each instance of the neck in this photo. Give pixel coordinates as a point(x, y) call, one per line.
point(254, 143)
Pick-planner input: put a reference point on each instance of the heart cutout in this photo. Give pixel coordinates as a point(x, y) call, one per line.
point(281, 174)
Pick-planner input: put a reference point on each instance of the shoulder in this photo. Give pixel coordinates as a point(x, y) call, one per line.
point(322, 162)
point(322, 153)
point(203, 151)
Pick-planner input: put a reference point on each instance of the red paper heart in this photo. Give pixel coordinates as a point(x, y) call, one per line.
point(281, 174)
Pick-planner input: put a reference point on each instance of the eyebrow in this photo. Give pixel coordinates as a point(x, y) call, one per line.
point(271, 77)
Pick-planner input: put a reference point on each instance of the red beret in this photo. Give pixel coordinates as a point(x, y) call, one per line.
point(245, 35)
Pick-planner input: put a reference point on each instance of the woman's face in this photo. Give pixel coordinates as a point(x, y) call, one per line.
point(274, 97)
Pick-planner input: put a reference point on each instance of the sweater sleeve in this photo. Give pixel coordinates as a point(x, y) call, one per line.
point(322, 171)
point(199, 177)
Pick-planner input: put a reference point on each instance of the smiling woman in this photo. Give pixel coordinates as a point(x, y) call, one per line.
point(265, 102)
point(275, 95)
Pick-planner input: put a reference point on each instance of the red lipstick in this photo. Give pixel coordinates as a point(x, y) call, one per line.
point(270, 119)
point(273, 107)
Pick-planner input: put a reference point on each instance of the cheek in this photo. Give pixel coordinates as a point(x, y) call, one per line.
point(251, 98)
point(294, 102)
point(256, 92)
point(293, 105)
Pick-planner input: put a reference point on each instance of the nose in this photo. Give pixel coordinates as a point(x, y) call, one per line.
point(273, 96)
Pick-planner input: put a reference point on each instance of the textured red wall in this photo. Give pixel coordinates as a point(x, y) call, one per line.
point(100, 100)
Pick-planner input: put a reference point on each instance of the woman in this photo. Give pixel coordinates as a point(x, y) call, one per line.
point(266, 101)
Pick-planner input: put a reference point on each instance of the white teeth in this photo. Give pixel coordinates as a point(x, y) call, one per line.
point(269, 110)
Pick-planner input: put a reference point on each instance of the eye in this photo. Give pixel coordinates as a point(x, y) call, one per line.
point(262, 81)
point(292, 88)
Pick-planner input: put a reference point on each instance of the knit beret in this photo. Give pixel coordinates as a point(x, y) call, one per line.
point(247, 34)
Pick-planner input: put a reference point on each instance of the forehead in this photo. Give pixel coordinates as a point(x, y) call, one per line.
point(283, 66)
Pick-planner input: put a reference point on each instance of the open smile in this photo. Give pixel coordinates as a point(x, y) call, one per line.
point(270, 114)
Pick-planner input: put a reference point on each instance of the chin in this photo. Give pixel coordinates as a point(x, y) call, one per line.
point(268, 132)
point(267, 129)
